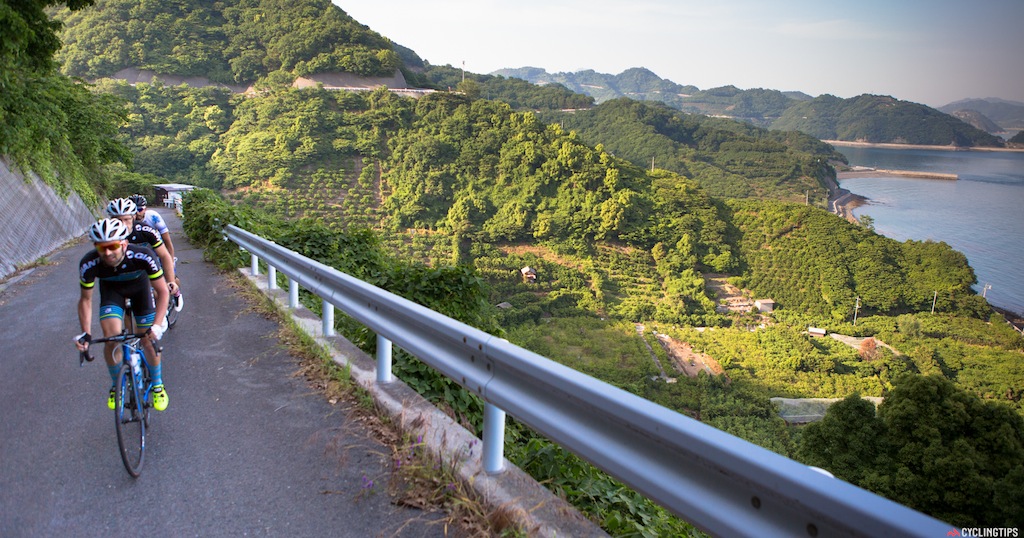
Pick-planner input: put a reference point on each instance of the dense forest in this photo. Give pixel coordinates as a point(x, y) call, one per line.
point(726, 158)
point(446, 197)
point(52, 125)
point(228, 42)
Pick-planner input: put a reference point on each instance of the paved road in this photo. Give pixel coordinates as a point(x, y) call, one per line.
point(244, 449)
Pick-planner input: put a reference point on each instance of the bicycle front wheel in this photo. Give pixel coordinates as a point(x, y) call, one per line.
point(172, 313)
point(129, 421)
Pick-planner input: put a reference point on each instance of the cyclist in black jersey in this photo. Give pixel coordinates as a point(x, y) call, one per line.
point(153, 218)
point(124, 209)
point(124, 271)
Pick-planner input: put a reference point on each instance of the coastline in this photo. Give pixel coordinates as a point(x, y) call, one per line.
point(882, 145)
point(873, 172)
point(842, 202)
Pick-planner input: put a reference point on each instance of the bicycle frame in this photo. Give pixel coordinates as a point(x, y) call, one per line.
point(133, 398)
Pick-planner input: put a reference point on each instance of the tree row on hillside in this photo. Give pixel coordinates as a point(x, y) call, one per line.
point(808, 260)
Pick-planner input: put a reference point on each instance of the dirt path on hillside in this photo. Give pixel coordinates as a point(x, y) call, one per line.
point(686, 360)
point(856, 341)
point(735, 298)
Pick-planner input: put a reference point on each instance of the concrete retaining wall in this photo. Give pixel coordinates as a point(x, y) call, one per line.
point(35, 220)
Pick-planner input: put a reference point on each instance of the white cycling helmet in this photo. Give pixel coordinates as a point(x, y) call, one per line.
point(106, 230)
point(121, 206)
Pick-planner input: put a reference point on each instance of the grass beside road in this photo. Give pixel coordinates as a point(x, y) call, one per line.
point(415, 478)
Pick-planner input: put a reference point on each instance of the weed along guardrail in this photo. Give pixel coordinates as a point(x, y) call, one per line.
point(719, 482)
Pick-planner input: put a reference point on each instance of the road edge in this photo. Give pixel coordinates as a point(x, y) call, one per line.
point(514, 494)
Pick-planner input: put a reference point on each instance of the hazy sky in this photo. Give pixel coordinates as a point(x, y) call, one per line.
point(927, 51)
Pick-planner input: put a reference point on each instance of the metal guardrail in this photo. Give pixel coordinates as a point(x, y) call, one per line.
point(719, 482)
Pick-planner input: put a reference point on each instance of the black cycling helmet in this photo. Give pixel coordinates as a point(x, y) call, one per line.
point(139, 200)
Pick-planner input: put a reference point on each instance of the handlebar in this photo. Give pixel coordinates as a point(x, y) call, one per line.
point(84, 356)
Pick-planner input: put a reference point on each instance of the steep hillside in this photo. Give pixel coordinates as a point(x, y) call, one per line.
point(236, 42)
point(53, 125)
point(880, 119)
point(727, 158)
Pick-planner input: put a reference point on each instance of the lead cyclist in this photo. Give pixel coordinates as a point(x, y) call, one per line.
point(152, 218)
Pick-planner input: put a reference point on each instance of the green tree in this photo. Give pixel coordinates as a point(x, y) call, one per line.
point(932, 446)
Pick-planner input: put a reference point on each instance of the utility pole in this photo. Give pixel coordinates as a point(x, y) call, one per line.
point(934, 297)
point(855, 309)
point(463, 70)
point(807, 197)
point(652, 164)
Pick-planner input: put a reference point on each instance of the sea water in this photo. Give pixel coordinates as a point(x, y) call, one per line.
point(981, 214)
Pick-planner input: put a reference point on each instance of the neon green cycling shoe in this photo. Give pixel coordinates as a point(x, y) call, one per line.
point(159, 397)
point(110, 400)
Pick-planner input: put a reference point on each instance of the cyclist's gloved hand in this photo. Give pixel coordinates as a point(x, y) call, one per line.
point(157, 331)
point(82, 341)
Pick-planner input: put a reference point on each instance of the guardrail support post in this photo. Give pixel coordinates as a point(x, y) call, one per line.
point(383, 359)
point(254, 265)
point(494, 439)
point(327, 318)
point(293, 293)
point(271, 277)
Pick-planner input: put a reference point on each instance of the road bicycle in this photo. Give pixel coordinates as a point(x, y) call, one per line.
point(171, 316)
point(133, 398)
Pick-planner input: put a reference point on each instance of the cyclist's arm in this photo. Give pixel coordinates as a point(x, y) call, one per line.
point(166, 236)
point(166, 261)
point(163, 295)
point(85, 310)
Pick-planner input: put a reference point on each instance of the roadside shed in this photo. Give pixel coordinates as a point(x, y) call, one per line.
point(764, 305)
point(529, 274)
point(169, 193)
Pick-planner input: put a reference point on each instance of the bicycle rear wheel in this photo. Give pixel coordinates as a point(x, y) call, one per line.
point(129, 421)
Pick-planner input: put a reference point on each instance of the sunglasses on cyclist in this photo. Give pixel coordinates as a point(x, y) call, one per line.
point(110, 246)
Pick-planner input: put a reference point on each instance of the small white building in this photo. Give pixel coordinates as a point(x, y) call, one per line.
point(169, 193)
point(816, 331)
point(764, 305)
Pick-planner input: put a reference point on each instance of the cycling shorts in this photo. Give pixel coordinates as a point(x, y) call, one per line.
point(112, 302)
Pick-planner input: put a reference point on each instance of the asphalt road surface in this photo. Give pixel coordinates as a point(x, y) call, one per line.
point(245, 447)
